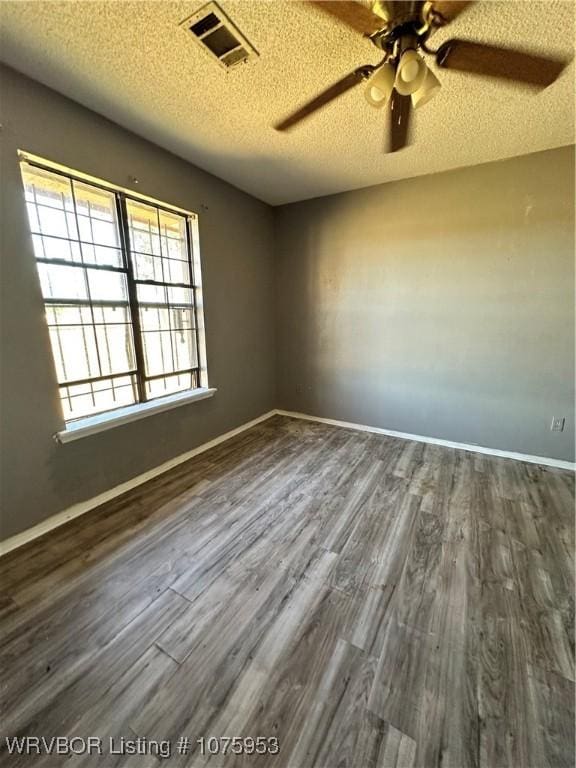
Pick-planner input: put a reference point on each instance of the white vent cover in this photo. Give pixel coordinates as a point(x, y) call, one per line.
point(218, 36)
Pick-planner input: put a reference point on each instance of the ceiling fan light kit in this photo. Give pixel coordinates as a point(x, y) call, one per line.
point(410, 72)
point(400, 30)
point(380, 85)
point(427, 90)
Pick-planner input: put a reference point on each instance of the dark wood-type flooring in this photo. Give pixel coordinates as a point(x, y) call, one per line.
point(367, 600)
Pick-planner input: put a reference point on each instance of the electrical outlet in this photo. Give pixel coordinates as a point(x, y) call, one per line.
point(557, 424)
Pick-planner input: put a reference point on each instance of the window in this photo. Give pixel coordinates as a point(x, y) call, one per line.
point(120, 295)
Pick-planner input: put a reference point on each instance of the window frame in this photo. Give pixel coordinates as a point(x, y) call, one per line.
point(198, 373)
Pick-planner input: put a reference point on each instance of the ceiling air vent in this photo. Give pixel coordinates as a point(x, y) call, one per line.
point(218, 36)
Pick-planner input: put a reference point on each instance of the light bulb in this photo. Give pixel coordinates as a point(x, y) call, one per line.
point(427, 90)
point(410, 73)
point(380, 86)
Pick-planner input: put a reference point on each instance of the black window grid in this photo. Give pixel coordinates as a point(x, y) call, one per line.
point(137, 376)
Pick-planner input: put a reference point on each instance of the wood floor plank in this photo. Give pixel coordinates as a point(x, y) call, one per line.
point(286, 706)
point(366, 600)
point(553, 698)
point(510, 732)
point(56, 707)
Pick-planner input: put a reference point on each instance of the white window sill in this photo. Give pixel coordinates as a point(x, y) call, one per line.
point(91, 425)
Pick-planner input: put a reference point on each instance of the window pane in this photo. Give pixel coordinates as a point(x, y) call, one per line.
point(115, 348)
point(165, 319)
point(102, 255)
point(182, 319)
point(98, 225)
point(151, 294)
point(184, 349)
point(111, 315)
point(177, 271)
point(56, 248)
point(143, 227)
point(147, 267)
point(168, 351)
point(75, 353)
point(53, 222)
point(62, 314)
point(107, 286)
point(168, 335)
point(167, 385)
point(60, 282)
point(95, 397)
point(154, 319)
point(158, 243)
point(158, 353)
point(46, 188)
point(173, 231)
point(180, 296)
point(90, 342)
point(71, 220)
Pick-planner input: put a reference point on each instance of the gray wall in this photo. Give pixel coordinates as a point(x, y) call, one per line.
point(39, 478)
point(440, 306)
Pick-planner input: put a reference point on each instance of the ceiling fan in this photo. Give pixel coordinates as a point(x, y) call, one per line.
point(400, 29)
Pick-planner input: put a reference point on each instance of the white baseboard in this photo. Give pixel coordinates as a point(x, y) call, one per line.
point(85, 506)
point(558, 463)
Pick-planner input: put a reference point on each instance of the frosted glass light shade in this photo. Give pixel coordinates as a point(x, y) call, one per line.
point(427, 90)
point(379, 87)
point(410, 73)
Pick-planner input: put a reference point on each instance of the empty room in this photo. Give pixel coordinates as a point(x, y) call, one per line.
point(287, 418)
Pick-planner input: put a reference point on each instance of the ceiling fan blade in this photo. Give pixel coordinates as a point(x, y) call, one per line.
point(331, 93)
point(448, 10)
point(354, 15)
point(505, 63)
point(400, 115)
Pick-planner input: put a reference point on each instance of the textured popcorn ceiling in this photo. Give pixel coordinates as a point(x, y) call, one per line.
point(131, 62)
